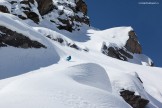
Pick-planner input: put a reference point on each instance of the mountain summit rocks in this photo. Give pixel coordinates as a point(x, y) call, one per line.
point(133, 44)
point(125, 52)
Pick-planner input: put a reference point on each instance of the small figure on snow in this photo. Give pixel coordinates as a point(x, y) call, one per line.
point(68, 58)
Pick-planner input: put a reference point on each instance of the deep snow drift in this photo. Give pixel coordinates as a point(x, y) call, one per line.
point(60, 89)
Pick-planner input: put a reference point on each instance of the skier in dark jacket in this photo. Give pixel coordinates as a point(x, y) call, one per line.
point(68, 58)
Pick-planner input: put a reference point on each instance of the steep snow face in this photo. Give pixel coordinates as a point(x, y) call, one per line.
point(17, 61)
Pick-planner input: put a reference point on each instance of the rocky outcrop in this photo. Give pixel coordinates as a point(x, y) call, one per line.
point(116, 52)
point(26, 8)
point(132, 44)
point(74, 46)
point(28, 11)
point(45, 6)
point(67, 26)
point(66, 43)
point(134, 100)
point(74, 20)
point(25, 12)
point(152, 64)
point(3, 9)
point(12, 38)
point(81, 6)
point(68, 16)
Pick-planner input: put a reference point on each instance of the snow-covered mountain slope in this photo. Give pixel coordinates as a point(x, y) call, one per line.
point(15, 61)
point(60, 88)
point(107, 69)
point(66, 85)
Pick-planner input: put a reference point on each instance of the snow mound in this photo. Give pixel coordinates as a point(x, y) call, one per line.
point(62, 89)
point(90, 74)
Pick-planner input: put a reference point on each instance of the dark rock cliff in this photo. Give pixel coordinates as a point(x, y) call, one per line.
point(12, 38)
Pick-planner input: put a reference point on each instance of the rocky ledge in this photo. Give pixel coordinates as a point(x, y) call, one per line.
point(126, 52)
point(134, 100)
point(12, 38)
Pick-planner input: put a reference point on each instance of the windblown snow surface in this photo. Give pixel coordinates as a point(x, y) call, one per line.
point(42, 78)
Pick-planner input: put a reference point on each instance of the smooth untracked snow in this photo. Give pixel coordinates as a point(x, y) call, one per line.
point(17, 61)
point(73, 87)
